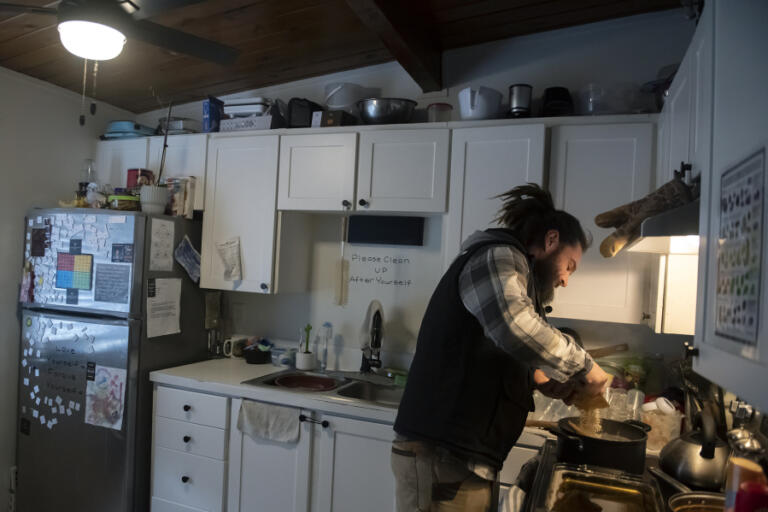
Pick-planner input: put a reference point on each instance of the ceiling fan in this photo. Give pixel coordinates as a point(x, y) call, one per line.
point(97, 29)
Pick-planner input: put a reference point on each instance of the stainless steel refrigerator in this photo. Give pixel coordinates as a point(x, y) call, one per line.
point(103, 302)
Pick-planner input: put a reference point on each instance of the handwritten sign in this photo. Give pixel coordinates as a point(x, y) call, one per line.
point(380, 270)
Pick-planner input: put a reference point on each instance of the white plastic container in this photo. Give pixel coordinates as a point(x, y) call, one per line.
point(480, 103)
point(305, 360)
point(153, 199)
point(343, 95)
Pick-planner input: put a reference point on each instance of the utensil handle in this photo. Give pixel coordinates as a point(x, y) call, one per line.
point(668, 479)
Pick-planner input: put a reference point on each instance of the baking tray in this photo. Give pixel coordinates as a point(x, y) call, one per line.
point(589, 489)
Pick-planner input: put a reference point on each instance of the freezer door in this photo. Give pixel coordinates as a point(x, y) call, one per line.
point(77, 395)
point(83, 260)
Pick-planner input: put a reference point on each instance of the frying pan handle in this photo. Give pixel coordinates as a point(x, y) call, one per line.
point(639, 424)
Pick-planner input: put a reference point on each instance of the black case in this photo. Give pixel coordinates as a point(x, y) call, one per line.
point(300, 112)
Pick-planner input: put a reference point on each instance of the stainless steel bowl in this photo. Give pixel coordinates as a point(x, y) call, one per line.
point(386, 110)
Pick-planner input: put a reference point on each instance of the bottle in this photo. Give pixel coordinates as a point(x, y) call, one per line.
point(327, 333)
point(743, 466)
point(87, 176)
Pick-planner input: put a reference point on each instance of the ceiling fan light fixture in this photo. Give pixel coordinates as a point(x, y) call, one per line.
point(89, 40)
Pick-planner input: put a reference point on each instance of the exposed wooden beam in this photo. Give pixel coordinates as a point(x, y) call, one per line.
point(407, 36)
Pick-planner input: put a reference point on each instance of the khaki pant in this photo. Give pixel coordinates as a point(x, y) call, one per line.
point(432, 480)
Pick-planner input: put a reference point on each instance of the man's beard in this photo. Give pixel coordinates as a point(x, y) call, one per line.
point(544, 275)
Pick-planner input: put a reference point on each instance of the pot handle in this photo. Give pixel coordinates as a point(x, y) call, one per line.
point(708, 439)
point(639, 424)
point(570, 437)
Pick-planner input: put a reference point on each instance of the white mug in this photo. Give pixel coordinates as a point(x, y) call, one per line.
point(233, 347)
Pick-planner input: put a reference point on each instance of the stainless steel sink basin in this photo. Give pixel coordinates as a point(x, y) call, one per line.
point(376, 393)
point(300, 381)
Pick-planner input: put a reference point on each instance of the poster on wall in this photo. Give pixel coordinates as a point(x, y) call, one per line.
point(740, 256)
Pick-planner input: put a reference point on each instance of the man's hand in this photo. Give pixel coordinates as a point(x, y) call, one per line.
point(595, 381)
point(552, 388)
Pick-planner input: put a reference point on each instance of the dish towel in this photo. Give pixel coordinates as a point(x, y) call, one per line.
point(266, 421)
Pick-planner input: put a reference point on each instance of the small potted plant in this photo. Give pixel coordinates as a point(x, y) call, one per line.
point(305, 360)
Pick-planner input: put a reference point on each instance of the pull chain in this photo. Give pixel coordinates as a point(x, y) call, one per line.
point(93, 87)
point(82, 97)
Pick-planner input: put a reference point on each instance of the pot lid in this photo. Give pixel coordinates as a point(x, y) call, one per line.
point(749, 445)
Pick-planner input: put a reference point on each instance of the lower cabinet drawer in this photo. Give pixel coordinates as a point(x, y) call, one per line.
point(200, 408)
point(190, 438)
point(159, 505)
point(188, 479)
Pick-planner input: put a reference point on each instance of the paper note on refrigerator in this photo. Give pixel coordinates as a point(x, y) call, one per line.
point(161, 245)
point(163, 307)
point(105, 397)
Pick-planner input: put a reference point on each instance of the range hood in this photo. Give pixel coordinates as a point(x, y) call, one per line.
point(674, 231)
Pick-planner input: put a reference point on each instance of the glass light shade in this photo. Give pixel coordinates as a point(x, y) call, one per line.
point(89, 40)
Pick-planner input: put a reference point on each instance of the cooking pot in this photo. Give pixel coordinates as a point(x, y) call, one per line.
point(620, 445)
point(697, 458)
point(697, 502)
point(480, 103)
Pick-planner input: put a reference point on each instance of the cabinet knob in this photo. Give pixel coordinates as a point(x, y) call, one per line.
point(324, 423)
point(187, 439)
point(264, 286)
point(645, 316)
point(363, 202)
point(185, 479)
point(346, 204)
point(187, 407)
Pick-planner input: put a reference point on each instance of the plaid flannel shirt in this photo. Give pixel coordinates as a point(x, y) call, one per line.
point(494, 287)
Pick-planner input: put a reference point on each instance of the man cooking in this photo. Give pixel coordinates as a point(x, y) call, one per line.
point(483, 347)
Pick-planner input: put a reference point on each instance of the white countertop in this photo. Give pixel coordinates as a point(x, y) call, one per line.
point(224, 377)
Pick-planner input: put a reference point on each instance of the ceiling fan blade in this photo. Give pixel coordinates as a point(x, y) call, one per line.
point(180, 42)
point(149, 8)
point(26, 9)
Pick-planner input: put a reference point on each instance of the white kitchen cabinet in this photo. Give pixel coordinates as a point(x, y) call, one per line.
point(240, 200)
point(189, 467)
point(677, 114)
point(266, 475)
point(115, 157)
point(317, 172)
point(403, 170)
point(484, 163)
point(185, 156)
point(735, 358)
point(353, 470)
point(595, 168)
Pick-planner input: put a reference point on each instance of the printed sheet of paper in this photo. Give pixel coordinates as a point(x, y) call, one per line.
point(161, 245)
point(229, 252)
point(163, 307)
point(105, 397)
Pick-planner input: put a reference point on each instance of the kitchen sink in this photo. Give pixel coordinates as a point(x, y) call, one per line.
point(370, 392)
point(300, 381)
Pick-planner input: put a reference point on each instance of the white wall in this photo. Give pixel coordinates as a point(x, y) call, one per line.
point(627, 50)
point(42, 146)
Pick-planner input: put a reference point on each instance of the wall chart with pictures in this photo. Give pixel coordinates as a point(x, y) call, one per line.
point(740, 256)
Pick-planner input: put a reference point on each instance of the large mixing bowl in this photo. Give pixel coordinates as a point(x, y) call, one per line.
point(386, 110)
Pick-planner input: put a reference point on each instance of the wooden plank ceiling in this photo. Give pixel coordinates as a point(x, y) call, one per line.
point(285, 40)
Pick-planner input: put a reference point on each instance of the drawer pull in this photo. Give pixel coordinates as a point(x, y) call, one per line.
point(187, 407)
point(323, 423)
point(187, 439)
point(185, 479)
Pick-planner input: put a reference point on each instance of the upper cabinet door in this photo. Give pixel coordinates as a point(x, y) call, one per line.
point(733, 344)
point(484, 163)
point(115, 157)
point(677, 109)
point(403, 170)
point(596, 168)
point(185, 156)
point(317, 172)
point(240, 200)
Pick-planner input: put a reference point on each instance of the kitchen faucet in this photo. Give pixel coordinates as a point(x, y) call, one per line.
point(371, 345)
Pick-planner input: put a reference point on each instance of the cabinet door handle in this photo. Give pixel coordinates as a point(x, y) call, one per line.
point(185, 479)
point(264, 286)
point(187, 407)
point(324, 423)
point(363, 202)
point(346, 204)
point(187, 439)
